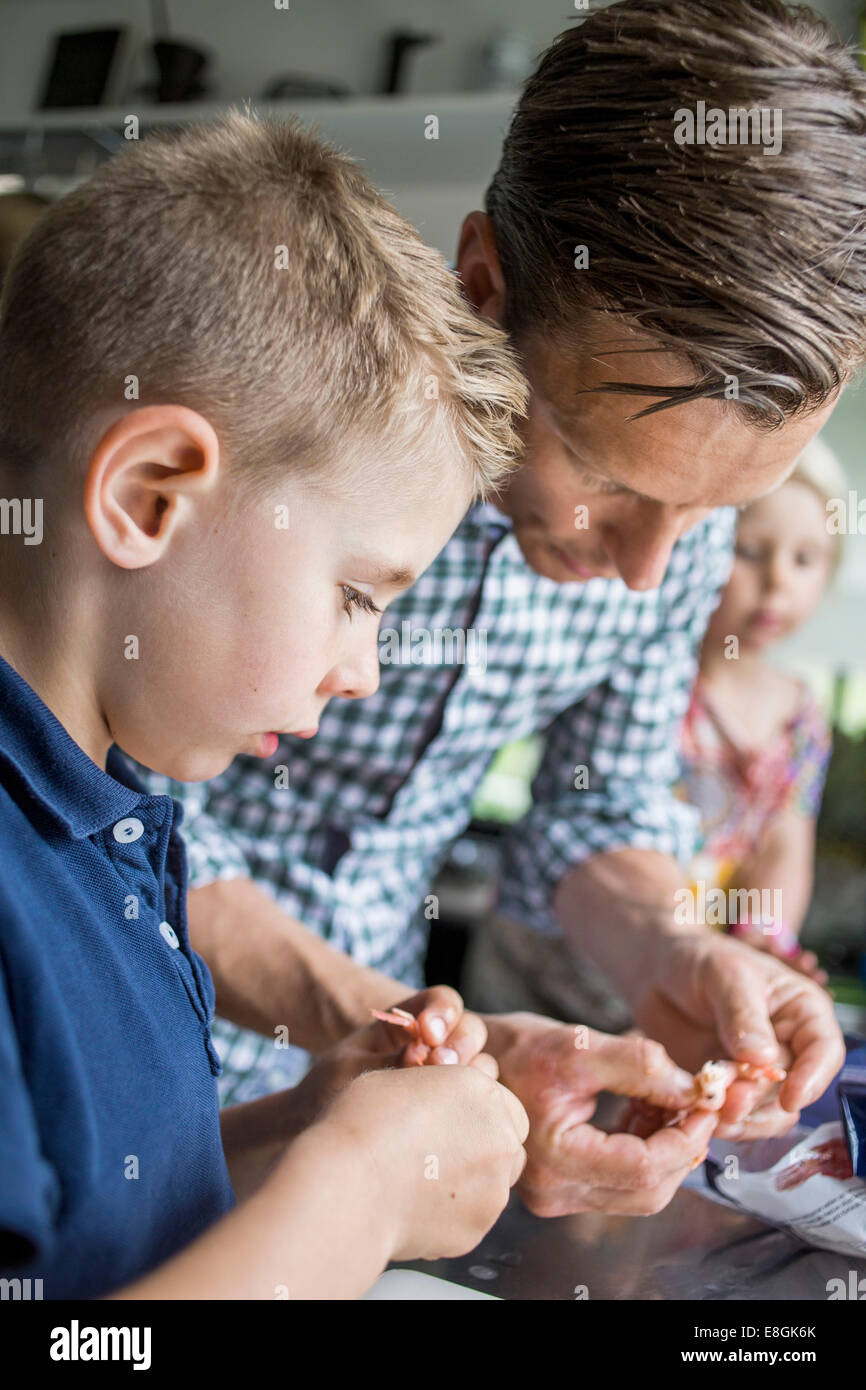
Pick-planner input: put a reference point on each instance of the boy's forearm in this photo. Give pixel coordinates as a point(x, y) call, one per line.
point(269, 971)
point(317, 1228)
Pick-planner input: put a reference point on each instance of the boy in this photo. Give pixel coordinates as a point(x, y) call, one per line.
point(249, 407)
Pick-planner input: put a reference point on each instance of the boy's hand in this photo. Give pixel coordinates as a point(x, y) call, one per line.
point(445, 1147)
point(448, 1036)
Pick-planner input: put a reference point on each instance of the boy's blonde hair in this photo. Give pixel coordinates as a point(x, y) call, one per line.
point(250, 271)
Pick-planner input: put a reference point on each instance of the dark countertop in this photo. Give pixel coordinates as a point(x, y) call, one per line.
point(696, 1248)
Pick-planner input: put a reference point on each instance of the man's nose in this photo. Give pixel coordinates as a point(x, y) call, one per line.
point(640, 543)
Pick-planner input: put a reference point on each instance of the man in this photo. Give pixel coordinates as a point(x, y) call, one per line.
point(687, 314)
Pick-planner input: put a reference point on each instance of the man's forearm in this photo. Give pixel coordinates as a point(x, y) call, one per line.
point(255, 1135)
point(269, 971)
point(619, 908)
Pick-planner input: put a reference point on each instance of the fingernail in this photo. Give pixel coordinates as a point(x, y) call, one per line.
point(735, 1131)
point(447, 1056)
point(437, 1028)
point(755, 1040)
point(684, 1084)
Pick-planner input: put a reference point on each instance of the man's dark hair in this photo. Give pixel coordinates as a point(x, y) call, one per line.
point(743, 263)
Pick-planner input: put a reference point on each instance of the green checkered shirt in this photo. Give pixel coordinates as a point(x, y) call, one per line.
point(350, 846)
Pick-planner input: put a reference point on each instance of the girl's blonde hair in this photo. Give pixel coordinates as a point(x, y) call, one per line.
point(819, 468)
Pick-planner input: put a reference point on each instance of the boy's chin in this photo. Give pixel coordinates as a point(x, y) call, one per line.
point(198, 765)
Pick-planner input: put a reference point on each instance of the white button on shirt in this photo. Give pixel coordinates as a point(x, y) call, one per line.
point(128, 830)
point(169, 934)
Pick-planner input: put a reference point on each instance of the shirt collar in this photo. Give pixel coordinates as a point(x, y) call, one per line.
point(486, 514)
point(55, 771)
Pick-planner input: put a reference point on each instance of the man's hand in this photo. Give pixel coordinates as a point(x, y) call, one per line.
point(712, 997)
point(557, 1071)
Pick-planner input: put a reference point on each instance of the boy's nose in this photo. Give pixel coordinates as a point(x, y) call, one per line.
point(355, 679)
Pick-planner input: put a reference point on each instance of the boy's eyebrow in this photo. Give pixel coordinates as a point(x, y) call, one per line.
point(394, 577)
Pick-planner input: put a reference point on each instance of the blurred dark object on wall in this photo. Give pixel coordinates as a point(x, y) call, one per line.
point(180, 65)
point(180, 68)
point(400, 44)
point(83, 68)
point(293, 85)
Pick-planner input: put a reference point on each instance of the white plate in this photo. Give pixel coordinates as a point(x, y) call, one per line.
point(411, 1284)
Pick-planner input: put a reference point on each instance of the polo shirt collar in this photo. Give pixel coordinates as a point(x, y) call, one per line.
point(55, 771)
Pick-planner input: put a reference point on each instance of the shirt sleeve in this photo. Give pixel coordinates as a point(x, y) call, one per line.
point(610, 766)
point(211, 853)
point(29, 1186)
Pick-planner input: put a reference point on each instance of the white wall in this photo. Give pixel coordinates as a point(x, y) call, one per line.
point(340, 39)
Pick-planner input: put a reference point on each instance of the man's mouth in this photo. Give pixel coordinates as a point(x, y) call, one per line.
point(580, 570)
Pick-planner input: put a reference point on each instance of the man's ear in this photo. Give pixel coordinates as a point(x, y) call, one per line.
point(479, 268)
point(143, 479)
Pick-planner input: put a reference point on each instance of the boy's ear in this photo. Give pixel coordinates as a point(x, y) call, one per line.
point(143, 479)
point(479, 268)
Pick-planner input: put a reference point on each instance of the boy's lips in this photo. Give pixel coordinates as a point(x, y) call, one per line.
point(267, 744)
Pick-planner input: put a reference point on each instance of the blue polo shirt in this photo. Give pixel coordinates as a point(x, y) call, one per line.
point(110, 1154)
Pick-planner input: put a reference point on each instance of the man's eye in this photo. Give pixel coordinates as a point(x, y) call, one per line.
point(354, 598)
point(599, 484)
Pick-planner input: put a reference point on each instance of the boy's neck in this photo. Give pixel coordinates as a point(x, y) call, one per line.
point(54, 663)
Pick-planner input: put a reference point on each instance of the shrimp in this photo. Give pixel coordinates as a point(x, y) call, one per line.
point(710, 1092)
point(714, 1078)
point(401, 1019)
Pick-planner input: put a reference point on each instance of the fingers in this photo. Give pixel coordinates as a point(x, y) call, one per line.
point(516, 1112)
point(438, 1009)
point(817, 1045)
point(764, 1122)
point(626, 1162)
point(739, 997)
point(618, 1172)
point(639, 1067)
point(489, 1065)
point(464, 1042)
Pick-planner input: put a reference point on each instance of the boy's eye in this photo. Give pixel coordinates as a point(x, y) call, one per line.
point(354, 598)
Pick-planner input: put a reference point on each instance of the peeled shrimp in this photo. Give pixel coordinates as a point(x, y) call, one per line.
point(710, 1092)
